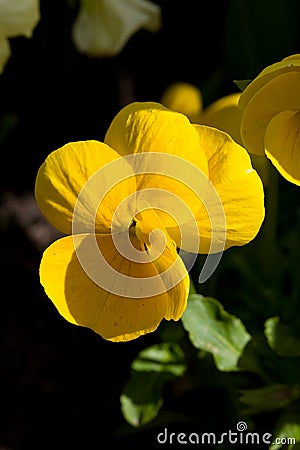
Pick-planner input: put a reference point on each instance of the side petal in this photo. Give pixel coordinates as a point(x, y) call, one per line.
point(19, 17)
point(102, 28)
point(83, 302)
point(282, 144)
point(279, 94)
point(80, 174)
point(233, 208)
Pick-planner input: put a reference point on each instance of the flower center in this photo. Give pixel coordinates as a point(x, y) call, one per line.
point(142, 225)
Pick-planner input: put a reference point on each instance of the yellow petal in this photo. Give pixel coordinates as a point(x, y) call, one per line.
point(142, 127)
point(87, 169)
point(279, 94)
point(289, 64)
point(153, 237)
point(167, 152)
point(76, 290)
point(282, 144)
point(225, 115)
point(233, 207)
point(184, 98)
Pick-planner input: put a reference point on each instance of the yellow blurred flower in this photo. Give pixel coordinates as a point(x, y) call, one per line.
point(225, 115)
point(271, 116)
point(103, 27)
point(17, 18)
point(157, 184)
point(183, 97)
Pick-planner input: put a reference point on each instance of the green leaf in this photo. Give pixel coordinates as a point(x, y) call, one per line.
point(259, 358)
point(165, 357)
point(267, 398)
point(287, 429)
point(242, 84)
point(141, 398)
point(281, 338)
point(214, 330)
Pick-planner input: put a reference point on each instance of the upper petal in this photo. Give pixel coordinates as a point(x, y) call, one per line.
point(19, 17)
point(168, 156)
point(282, 144)
point(88, 176)
point(103, 27)
point(82, 301)
point(279, 94)
point(142, 127)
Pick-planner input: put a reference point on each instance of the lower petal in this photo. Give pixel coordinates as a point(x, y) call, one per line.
point(282, 144)
point(77, 291)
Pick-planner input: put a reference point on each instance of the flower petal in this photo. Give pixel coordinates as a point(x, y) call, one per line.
point(282, 144)
point(142, 127)
point(87, 169)
point(225, 115)
point(289, 64)
point(184, 98)
point(233, 208)
point(83, 302)
point(19, 17)
point(279, 94)
point(153, 236)
point(170, 148)
point(103, 27)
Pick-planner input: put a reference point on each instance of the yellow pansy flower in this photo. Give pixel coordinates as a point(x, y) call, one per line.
point(183, 97)
point(155, 185)
point(103, 27)
point(271, 116)
point(17, 18)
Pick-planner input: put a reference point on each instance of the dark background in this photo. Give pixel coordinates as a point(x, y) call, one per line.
point(60, 384)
